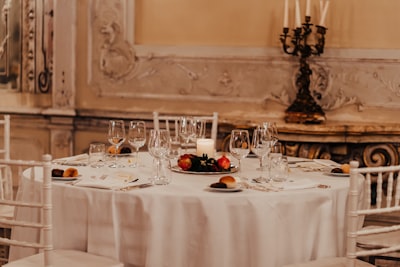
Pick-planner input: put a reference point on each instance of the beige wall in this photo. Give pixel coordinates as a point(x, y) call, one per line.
point(356, 24)
point(259, 78)
point(350, 23)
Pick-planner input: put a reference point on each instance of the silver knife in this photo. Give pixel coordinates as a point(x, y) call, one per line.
point(130, 187)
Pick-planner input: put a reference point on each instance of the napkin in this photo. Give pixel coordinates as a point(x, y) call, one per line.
point(298, 184)
point(327, 162)
point(78, 160)
point(115, 181)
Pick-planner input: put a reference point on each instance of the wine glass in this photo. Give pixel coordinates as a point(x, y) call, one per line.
point(174, 146)
point(186, 131)
point(198, 129)
point(116, 136)
point(136, 138)
point(239, 144)
point(158, 148)
point(273, 131)
point(260, 146)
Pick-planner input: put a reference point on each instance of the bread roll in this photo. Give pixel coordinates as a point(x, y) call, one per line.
point(345, 168)
point(113, 150)
point(57, 172)
point(229, 181)
point(70, 172)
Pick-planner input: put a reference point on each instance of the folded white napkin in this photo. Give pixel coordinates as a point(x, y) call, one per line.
point(298, 184)
point(78, 160)
point(317, 165)
point(115, 181)
point(327, 162)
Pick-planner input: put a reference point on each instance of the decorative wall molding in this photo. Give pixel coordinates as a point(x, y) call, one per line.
point(119, 68)
point(29, 33)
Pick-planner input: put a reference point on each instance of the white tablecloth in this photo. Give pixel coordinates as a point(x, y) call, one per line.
point(184, 225)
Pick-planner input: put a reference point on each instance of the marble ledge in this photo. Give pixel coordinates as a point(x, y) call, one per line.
point(340, 132)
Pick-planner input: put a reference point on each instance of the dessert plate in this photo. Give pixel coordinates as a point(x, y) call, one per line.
point(337, 174)
point(178, 169)
point(65, 178)
point(214, 189)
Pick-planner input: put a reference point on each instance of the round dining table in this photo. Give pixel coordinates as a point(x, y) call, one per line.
point(187, 224)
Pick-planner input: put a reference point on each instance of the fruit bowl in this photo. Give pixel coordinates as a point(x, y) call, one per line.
point(193, 164)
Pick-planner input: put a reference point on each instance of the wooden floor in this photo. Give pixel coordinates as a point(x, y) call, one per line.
point(383, 263)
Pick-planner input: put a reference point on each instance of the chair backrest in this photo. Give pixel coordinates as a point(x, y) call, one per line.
point(6, 180)
point(172, 122)
point(32, 172)
point(5, 150)
point(357, 211)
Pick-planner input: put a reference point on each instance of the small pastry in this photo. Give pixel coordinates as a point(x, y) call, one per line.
point(218, 185)
point(70, 172)
point(336, 170)
point(345, 168)
point(57, 172)
point(228, 180)
point(126, 150)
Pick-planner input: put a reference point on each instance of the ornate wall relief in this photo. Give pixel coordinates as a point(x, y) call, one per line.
point(119, 68)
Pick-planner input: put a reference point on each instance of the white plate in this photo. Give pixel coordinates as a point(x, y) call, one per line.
point(236, 189)
point(64, 178)
point(337, 174)
point(120, 155)
point(178, 169)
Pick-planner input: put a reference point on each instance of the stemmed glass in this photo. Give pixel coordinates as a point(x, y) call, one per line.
point(260, 146)
point(174, 146)
point(198, 129)
point(239, 144)
point(136, 138)
point(186, 131)
point(273, 131)
point(116, 136)
point(158, 148)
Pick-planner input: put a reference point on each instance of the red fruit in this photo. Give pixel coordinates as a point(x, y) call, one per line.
point(185, 162)
point(224, 163)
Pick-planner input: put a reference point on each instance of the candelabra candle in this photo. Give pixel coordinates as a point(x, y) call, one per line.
point(304, 109)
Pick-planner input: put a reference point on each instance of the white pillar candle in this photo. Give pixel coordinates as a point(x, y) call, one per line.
point(321, 7)
point(286, 15)
point(308, 8)
point(298, 19)
point(205, 146)
point(324, 12)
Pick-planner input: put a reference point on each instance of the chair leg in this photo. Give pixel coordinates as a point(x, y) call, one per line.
point(371, 260)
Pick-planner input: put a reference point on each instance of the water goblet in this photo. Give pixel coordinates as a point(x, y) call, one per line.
point(136, 138)
point(260, 146)
point(198, 128)
point(174, 147)
point(97, 153)
point(239, 145)
point(116, 136)
point(186, 131)
point(278, 167)
point(158, 146)
point(272, 130)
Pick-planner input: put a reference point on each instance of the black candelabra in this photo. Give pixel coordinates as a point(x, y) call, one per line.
point(304, 109)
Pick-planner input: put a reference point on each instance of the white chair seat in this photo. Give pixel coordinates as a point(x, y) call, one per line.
point(330, 262)
point(382, 240)
point(7, 212)
point(40, 202)
point(67, 258)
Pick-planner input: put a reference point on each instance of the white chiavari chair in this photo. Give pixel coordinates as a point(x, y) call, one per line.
point(171, 122)
point(46, 256)
point(367, 241)
point(6, 184)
